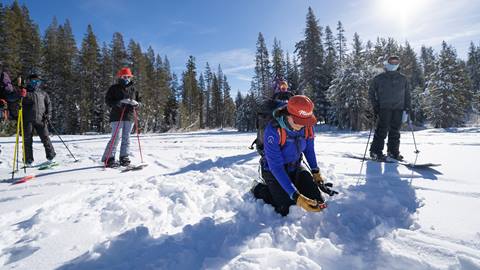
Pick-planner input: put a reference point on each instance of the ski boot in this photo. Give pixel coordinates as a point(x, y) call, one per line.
point(378, 156)
point(124, 161)
point(111, 163)
point(396, 156)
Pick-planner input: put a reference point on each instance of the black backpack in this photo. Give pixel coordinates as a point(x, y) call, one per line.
point(265, 115)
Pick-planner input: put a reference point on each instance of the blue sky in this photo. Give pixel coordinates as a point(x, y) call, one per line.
point(225, 31)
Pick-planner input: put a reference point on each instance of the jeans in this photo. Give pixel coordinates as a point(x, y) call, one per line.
point(124, 130)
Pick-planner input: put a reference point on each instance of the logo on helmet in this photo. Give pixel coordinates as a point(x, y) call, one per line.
point(304, 113)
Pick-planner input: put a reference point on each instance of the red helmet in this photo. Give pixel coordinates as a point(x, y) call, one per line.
point(124, 72)
point(301, 109)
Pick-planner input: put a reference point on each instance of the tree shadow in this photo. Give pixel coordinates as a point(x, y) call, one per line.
point(221, 162)
point(370, 211)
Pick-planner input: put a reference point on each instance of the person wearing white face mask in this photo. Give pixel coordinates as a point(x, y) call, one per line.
point(389, 95)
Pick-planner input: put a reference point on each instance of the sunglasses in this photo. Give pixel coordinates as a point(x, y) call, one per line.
point(126, 77)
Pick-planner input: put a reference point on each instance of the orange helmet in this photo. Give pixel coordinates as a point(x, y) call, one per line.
point(124, 72)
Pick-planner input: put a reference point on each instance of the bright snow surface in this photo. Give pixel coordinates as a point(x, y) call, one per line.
point(191, 207)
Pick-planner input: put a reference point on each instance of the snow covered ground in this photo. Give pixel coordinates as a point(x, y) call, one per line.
point(191, 209)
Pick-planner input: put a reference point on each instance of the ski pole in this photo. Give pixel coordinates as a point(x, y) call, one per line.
point(366, 147)
point(23, 139)
point(15, 150)
point(138, 136)
point(58, 134)
point(413, 135)
point(112, 142)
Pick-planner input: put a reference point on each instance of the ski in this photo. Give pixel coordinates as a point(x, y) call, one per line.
point(135, 167)
point(391, 160)
point(24, 179)
point(48, 165)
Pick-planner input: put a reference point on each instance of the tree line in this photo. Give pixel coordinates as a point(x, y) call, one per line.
point(334, 73)
point(77, 78)
point(445, 89)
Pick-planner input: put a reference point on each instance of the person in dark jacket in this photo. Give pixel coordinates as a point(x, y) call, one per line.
point(287, 181)
point(123, 99)
point(37, 110)
point(8, 95)
point(390, 96)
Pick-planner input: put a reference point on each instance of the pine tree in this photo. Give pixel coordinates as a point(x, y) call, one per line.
point(310, 51)
point(202, 89)
point(473, 67)
point(106, 78)
point(447, 99)
point(278, 62)
point(65, 94)
point(30, 49)
point(217, 102)
point(190, 95)
point(228, 104)
point(427, 59)
point(119, 54)
point(12, 39)
point(349, 91)
point(293, 76)
point(239, 113)
point(208, 94)
point(261, 84)
point(89, 71)
point(410, 67)
point(341, 43)
point(331, 61)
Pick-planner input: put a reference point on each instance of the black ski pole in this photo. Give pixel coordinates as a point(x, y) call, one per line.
point(413, 135)
point(56, 132)
point(366, 147)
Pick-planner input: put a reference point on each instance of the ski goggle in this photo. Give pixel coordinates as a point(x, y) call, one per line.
point(126, 77)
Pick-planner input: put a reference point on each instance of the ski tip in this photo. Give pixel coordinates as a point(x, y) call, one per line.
point(24, 179)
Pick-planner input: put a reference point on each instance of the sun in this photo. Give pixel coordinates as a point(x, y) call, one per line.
point(400, 13)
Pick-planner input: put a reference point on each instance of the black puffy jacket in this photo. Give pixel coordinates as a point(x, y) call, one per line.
point(36, 106)
point(390, 90)
point(114, 95)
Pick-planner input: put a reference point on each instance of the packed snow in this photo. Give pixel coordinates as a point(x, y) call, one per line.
point(191, 207)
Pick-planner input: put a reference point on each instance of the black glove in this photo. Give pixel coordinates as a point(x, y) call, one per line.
point(327, 188)
point(46, 118)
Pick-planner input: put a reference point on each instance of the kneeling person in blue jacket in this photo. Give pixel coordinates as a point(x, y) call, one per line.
point(287, 181)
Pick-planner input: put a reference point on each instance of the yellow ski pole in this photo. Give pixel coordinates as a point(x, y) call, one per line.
point(15, 150)
point(23, 138)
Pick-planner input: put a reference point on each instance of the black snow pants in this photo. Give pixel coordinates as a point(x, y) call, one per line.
point(273, 193)
point(42, 131)
point(389, 123)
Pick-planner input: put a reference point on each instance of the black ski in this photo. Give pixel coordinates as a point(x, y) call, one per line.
point(391, 160)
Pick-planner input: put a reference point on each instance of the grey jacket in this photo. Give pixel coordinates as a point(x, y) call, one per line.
point(390, 90)
point(36, 106)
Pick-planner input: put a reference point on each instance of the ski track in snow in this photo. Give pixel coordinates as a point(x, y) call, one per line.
point(191, 209)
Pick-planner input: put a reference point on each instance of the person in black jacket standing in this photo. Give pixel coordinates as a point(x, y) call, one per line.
point(123, 99)
point(37, 111)
point(390, 96)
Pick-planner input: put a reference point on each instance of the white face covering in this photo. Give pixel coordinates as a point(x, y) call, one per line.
point(390, 67)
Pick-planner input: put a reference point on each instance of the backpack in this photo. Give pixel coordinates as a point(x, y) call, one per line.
point(283, 134)
point(264, 116)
